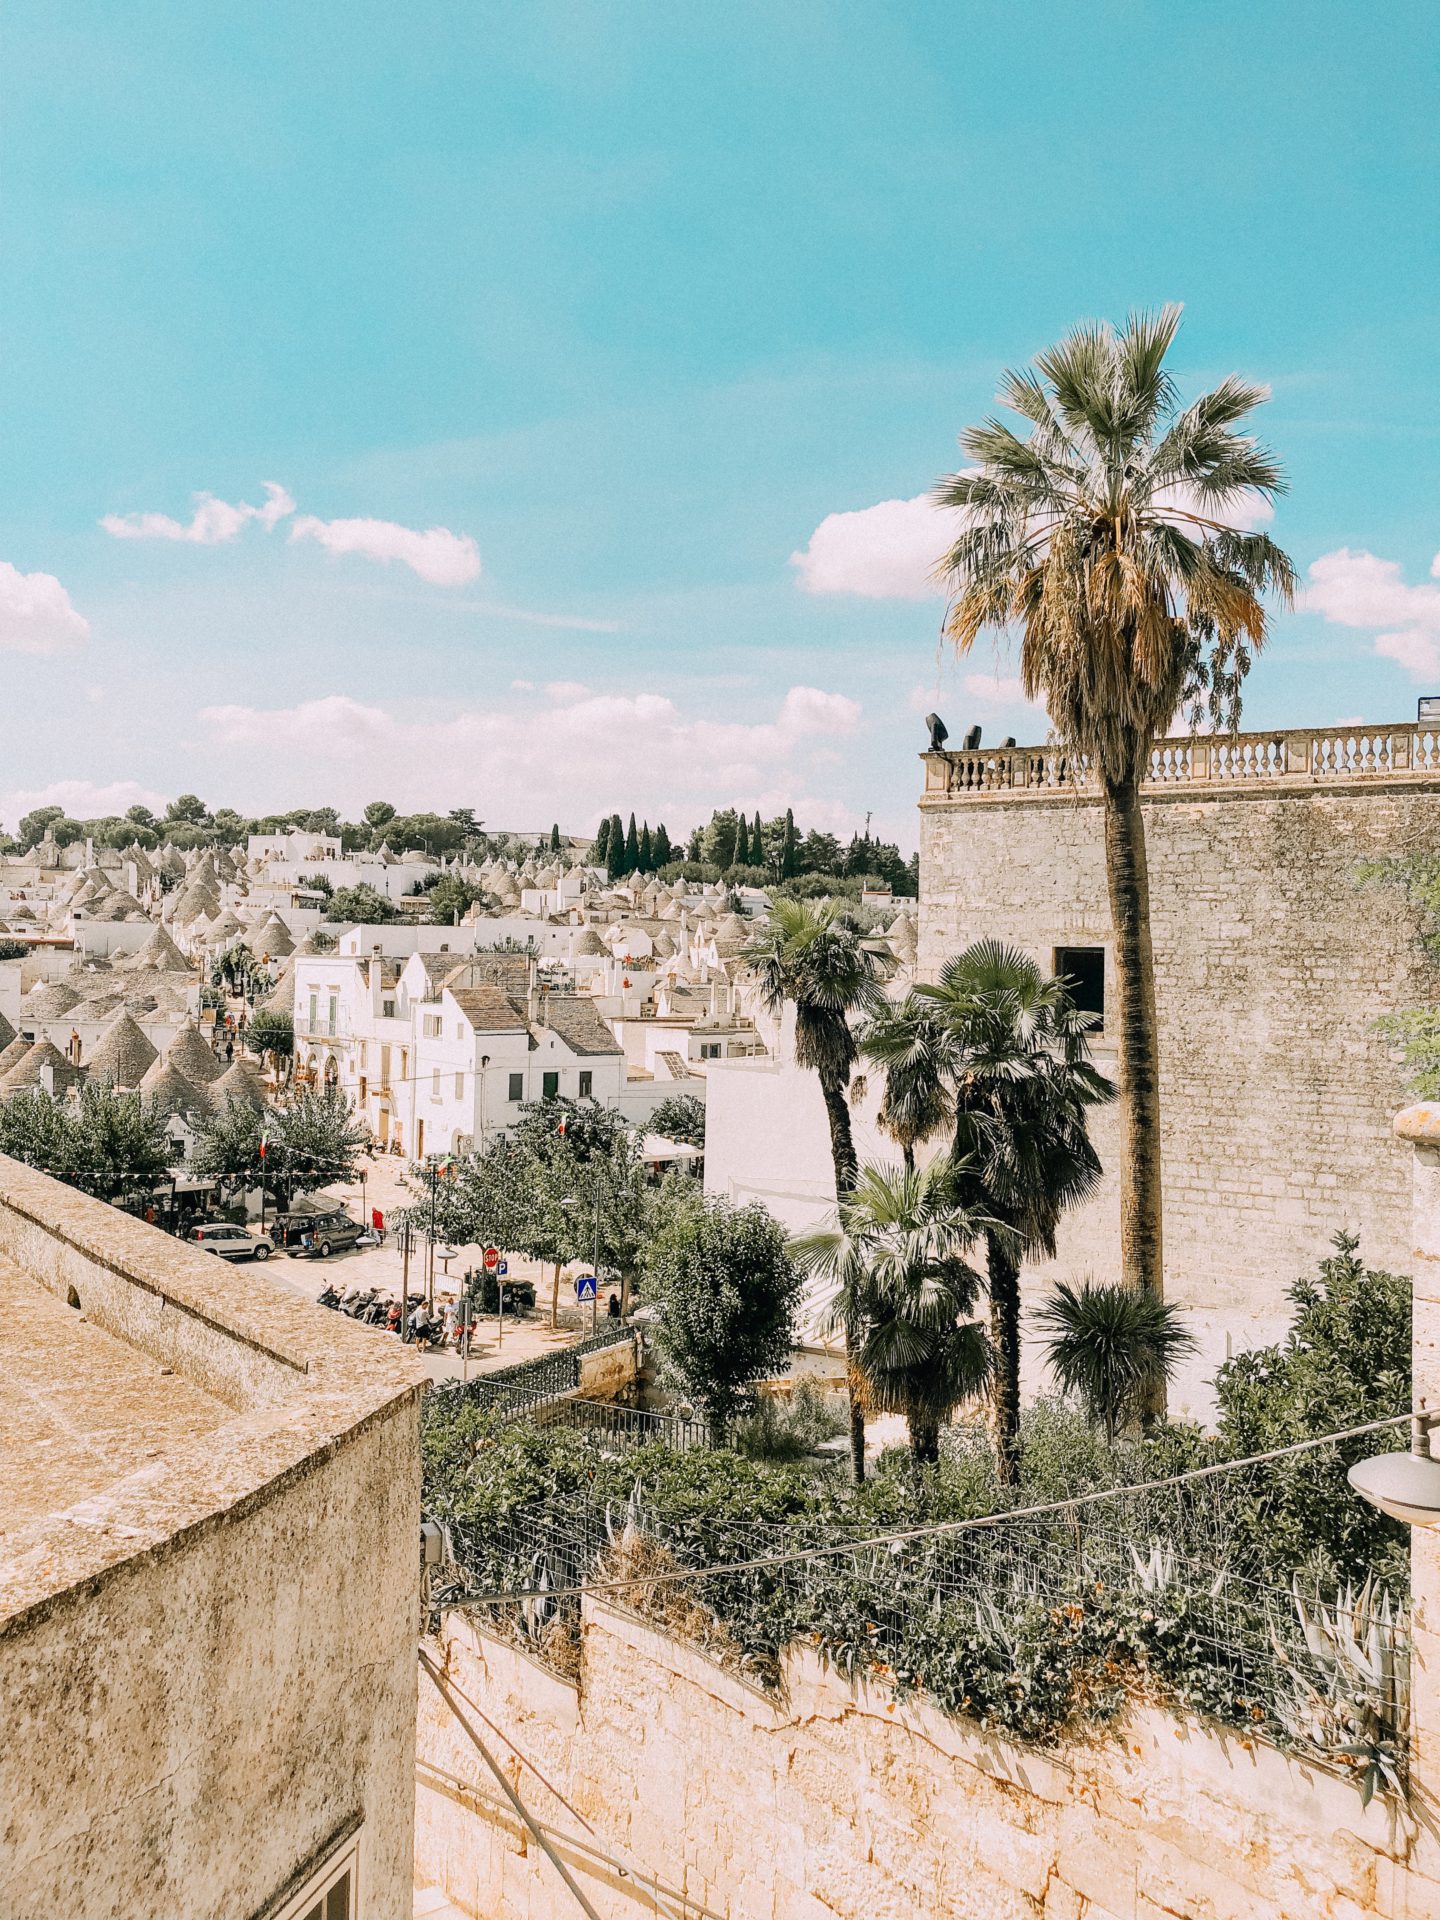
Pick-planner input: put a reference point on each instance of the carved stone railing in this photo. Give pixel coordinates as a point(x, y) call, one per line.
point(1308, 757)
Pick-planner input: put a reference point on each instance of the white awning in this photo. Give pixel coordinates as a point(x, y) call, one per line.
point(657, 1147)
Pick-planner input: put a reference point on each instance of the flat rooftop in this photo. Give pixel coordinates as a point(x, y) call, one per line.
point(80, 1409)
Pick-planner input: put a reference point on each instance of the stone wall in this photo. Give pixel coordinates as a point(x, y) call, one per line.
point(1272, 966)
point(841, 1804)
point(207, 1667)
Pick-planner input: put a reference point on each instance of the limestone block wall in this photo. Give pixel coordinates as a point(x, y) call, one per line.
point(1272, 966)
point(840, 1803)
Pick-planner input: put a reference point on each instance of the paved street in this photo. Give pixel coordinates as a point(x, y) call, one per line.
point(384, 1267)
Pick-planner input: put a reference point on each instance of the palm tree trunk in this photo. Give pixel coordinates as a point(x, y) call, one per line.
point(842, 1153)
point(1003, 1269)
point(1141, 1240)
point(924, 1442)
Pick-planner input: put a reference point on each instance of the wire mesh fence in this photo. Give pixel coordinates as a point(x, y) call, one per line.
point(1036, 1622)
point(532, 1383)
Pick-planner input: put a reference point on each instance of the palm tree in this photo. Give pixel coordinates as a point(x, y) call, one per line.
point(909, 1041)
point(904, 1292)
point(812, 958)
point(1112, 1345)
point(1108, 535)
point(1022, 1085)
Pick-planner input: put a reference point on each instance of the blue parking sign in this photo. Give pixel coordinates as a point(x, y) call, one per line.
point(584, 1286)
point(503, 1268)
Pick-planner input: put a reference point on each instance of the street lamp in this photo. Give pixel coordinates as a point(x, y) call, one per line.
point(1404, 1485)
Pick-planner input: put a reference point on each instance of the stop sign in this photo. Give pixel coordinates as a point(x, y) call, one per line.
point(492, 1258)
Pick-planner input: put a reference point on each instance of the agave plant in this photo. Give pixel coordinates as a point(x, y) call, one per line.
point(1353, 1707)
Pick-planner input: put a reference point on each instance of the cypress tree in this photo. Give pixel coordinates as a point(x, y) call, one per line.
point(742, 843)
point(757, 842)
point(663, 855)
point(789, 848)
point(615, 852)
point(632, 848)
point(555, 838)
point(647, 856)
point(602, 841)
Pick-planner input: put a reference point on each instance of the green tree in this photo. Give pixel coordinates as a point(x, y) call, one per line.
point(662, 852)
point(1021, 1085)
point(36, 1129)
point(33, 825)
point(680, 1117)
point(1345, 1362)
point(1102, 534)
point(555, 838)
point(757, 842)
point(813, 960)
point(789, 849)
point(647, 852)
point(615, 849)
point(12, 949)
point(718, 844)
point(742, 842)
point(695, 845)
point(910, 1042)
point(904, 1291)
point(632, 848)
point(378, 814)
point(312, 1143)
point(727, 1293)
point(602, 842)
point(362, 906)
point(820, 853)
point(271, 1035)
point(452, 897)
point(120, 1142)
point(1112, 1345)
point(189, 810)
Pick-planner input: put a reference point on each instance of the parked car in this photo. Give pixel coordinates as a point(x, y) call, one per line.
point(231, 1243)
point(318, 1235)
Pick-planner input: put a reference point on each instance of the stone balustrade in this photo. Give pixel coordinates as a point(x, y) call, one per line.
point(1305, 757)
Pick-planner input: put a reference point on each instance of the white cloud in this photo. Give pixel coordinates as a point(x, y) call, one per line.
point(989, 691)
point(1357, 589)
point(891, 551)
point(522, 686)
point(36, 614)
point(566, 690)
point(885, 552)
point(583, 754)
point(212, 524)
point(443, 558)
point(81, 799)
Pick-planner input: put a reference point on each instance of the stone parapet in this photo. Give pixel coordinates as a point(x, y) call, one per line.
point(1303, 759)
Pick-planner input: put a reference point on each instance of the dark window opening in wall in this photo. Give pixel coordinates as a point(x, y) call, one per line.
point(517, 1086)
point(587, 1081)
point(550, 1086)
point(1083, 969)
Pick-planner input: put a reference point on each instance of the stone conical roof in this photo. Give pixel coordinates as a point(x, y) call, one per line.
point(190, 1053)
point(123, 1055)
point(7, 1033)
point(159, 952)
point(12, 1054)
point(239, 1085)
point(52, 1002)
point(274, 938)
point(168, 1089)
point(26, 1070)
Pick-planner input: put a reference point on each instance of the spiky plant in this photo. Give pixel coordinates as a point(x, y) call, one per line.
point(908, 1040)
point(1112, 1345)
point(1110, 534)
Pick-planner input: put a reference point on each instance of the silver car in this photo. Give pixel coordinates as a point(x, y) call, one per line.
point(231, 1243)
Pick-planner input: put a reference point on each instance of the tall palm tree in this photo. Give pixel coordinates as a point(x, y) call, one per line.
point(1022, 1086)
point(908, 1040)
point(813, 959)
point(1108, 534)
point(904, 1291)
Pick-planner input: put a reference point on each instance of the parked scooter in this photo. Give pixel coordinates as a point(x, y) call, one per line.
point(329, 1295)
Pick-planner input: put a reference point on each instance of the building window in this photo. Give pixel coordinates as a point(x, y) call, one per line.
point(517, 1086)
point(550, 1086)
point(334, 1011)
point(459, 1086)
point(387, 1009)
point(314, 1012)
point(331, 1893)
point(363, 1088)
point(1083, 971)
point(433, 1025)
point(710, 1050)
point(587, 1083)
point(435, 1084)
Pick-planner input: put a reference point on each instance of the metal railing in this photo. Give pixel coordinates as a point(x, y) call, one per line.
point(537, 1383)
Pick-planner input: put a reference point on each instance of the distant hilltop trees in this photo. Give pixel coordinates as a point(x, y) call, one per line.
point(742, 849)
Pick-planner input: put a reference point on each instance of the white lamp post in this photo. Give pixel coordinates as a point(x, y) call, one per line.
point(1404, 1485)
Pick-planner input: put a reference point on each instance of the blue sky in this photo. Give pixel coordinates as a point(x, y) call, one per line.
point(628, 300)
